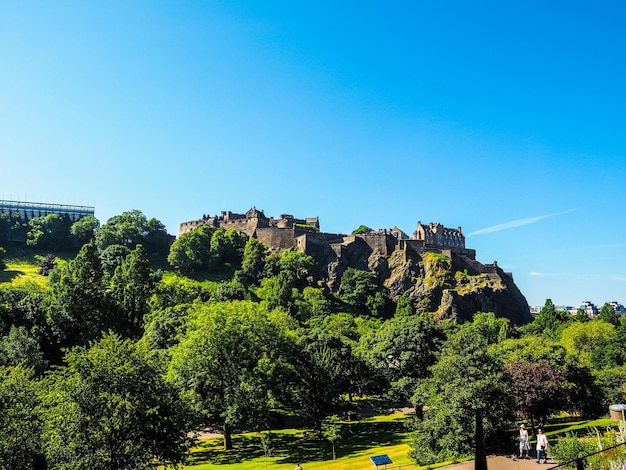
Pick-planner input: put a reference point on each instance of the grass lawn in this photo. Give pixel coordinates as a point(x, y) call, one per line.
point(362, 439)
point(19, 274)
point(577, 426)
point(23, 266)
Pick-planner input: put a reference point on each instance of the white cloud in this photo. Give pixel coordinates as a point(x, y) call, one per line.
point(516, 223)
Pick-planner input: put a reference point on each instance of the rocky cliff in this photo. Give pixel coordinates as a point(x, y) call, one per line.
point(448, 285)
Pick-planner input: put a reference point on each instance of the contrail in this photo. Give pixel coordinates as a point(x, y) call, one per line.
point(516, 223)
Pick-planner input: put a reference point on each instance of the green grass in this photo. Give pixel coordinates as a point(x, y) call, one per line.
point(23, 265)
point(579, 427)
point(362, 439)
point(19, 274)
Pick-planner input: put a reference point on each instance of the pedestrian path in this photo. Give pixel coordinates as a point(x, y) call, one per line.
point(505, 463)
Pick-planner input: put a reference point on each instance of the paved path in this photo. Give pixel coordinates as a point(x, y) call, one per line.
point(504, 463)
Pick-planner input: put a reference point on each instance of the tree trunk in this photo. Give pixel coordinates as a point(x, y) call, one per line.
point(228, 440)
point(480, 462)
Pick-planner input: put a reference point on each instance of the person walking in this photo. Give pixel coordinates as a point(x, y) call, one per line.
point(542, 446)
point(524, 443)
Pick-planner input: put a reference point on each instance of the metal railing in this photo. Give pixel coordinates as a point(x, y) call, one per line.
point(581, 461)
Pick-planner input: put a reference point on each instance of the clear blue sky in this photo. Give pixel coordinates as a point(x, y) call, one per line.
point(505, 118)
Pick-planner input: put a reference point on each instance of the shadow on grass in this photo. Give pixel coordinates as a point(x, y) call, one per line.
point(8, 276)
point(577, 426)
point(289, 446)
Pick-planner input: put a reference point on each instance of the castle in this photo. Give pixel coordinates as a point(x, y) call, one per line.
point(288, 232)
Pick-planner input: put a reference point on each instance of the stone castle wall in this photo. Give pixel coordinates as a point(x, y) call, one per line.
point(277, 238)
point(288, 232)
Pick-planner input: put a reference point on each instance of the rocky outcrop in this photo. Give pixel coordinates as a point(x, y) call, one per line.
point(447, 285)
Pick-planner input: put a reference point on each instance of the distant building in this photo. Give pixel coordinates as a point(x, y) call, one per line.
point(588, 308)
point(32, 210)
point(619, 308)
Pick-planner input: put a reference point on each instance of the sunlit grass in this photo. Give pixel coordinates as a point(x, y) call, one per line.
point(579, 427)
point(362, 439)
point(23, 267)
point(20, 273)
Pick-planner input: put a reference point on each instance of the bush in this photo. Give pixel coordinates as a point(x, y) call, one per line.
point(571, 447)
point(47, 264)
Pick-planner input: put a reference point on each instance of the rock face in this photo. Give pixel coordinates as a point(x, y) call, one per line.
point(448, 285)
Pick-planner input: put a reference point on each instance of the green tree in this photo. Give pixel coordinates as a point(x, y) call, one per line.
point(230, 290)
point(465, 381)
point(530, 348)
point(109, 408)
point(277, 292)
point(338, 333)
point(296, 268)
point(361, 229)
point(112, 257)
point(493, 329)
point(612, 353)
point(132, 228)
point(608, 314)
point(174, 290)
point(232, 359)
point(3, 264)
point(23, 310)
point(164, 326)
point(548, 322)
point(312, 303)
point(404, 306)
point(20, 421)
point(612, 383)
point(266, 443)
point(77, 312)
point(331, 429)
point(289, 273)
point(49, 232)
point(580, 340)
point(191, 252)
point(358, 287)
point(84, 230)
point(20, 347)
point(227, 247)
point(402, 350)
point(315, 381)
point(253, 263)
point(12, 227)
point(131, 288)
point(155, 237)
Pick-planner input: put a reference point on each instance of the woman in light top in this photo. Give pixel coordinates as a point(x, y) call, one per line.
point(524, 443)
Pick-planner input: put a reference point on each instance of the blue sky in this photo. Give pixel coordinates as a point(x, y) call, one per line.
point(504, 118)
